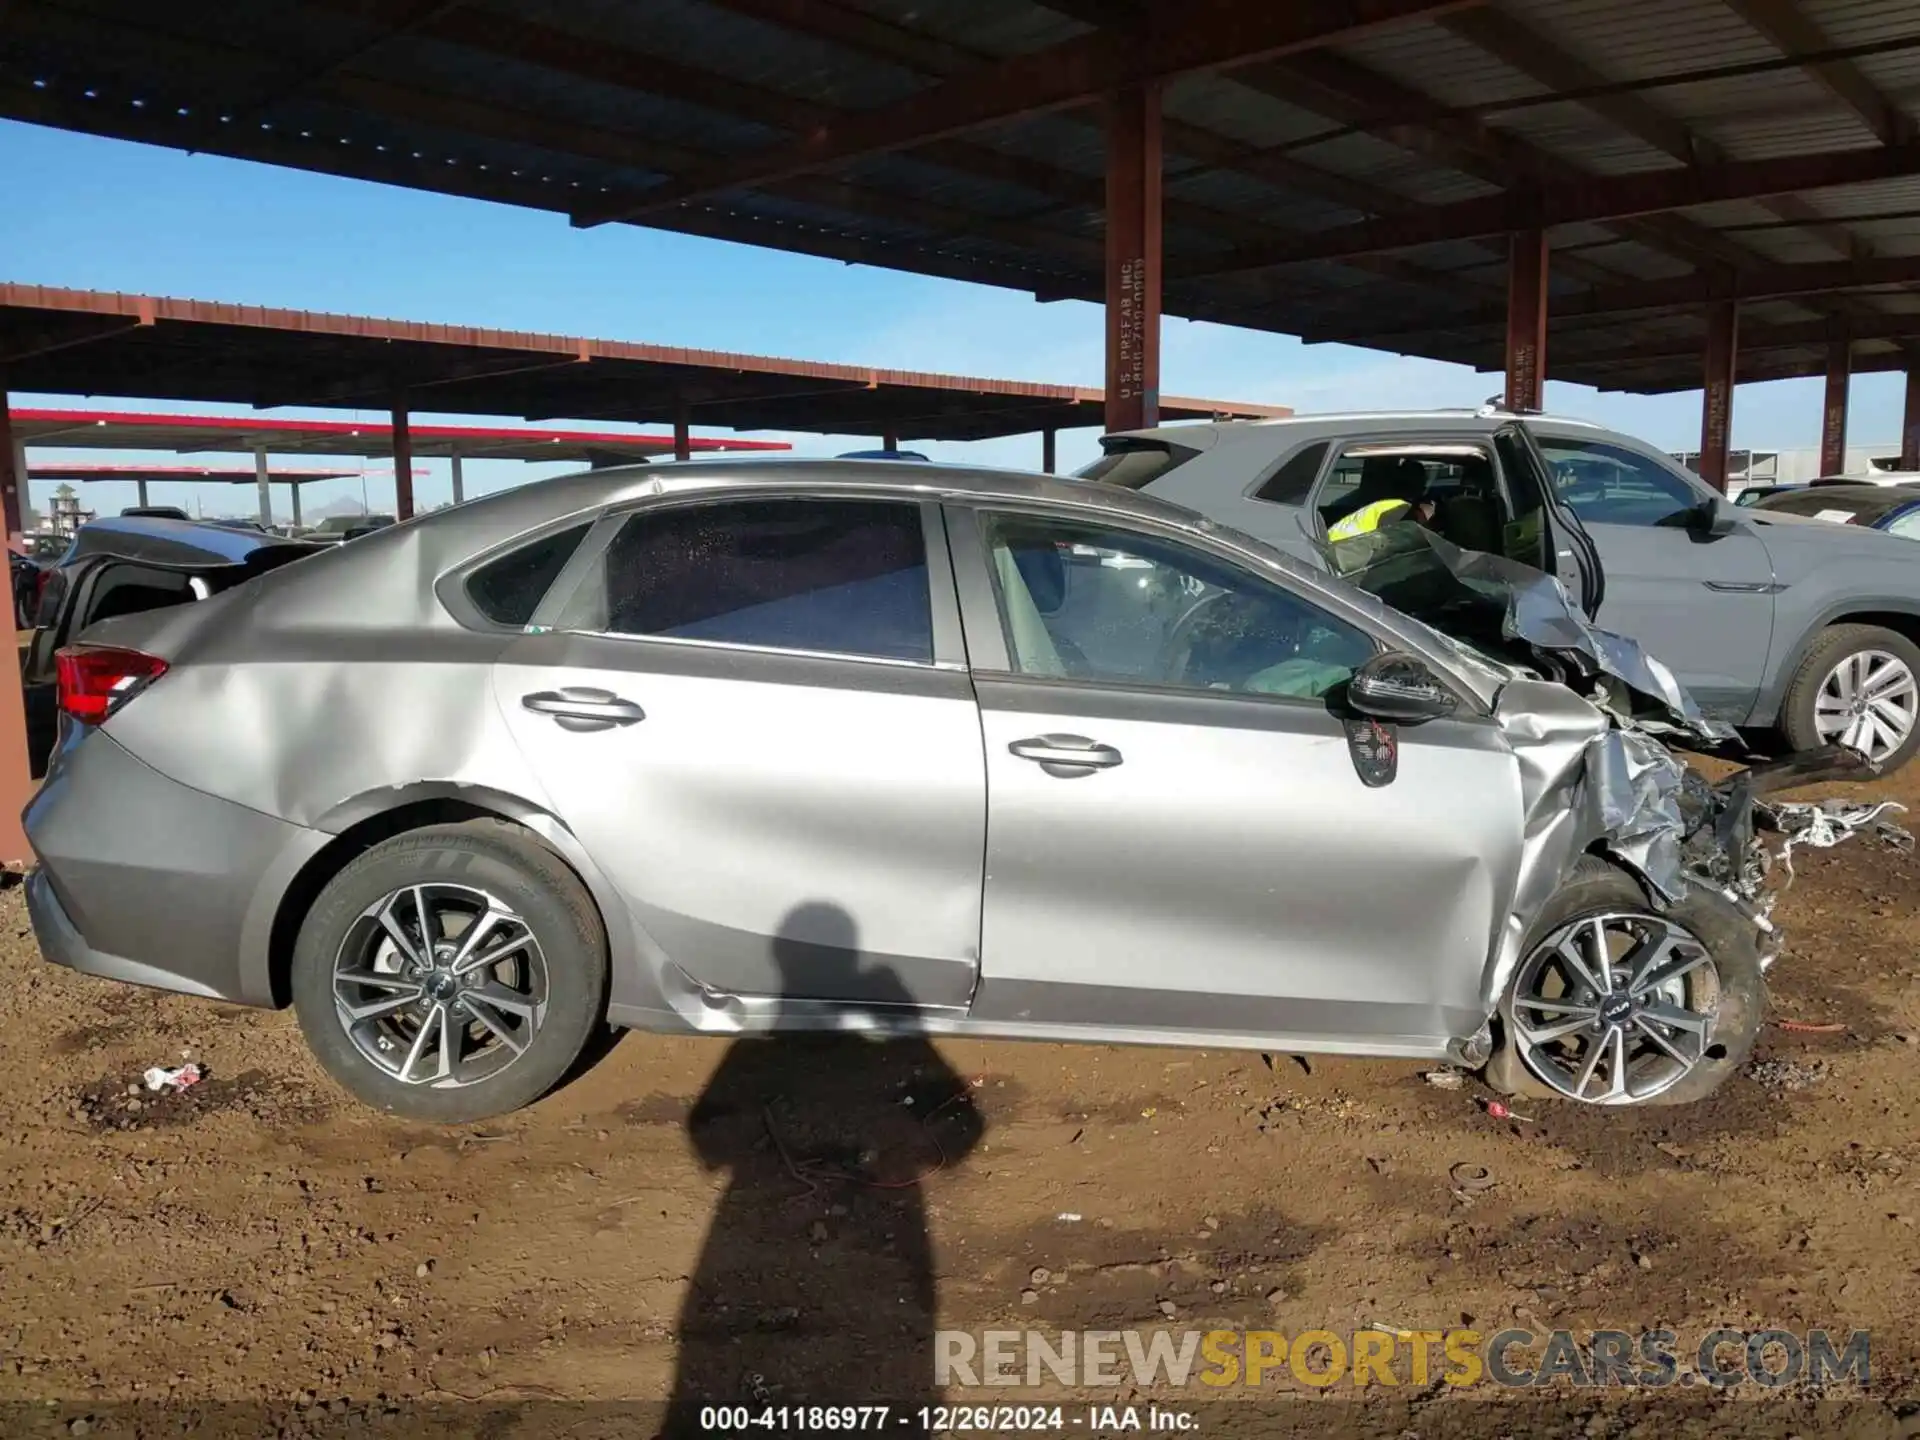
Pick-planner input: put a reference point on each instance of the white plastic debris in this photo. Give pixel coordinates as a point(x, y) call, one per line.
point(1070, 1217)
point(1445, 1079)
point(176, 1077)
point(1823, 824)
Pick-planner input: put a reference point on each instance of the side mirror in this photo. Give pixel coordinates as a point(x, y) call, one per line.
point(1712, 517)
point(1399, 688)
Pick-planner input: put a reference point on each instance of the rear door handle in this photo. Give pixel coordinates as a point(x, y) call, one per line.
point(1072, 753)
point(580, 708)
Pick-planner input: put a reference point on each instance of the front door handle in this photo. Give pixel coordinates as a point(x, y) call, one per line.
point(579, 708)
point(1066, 755)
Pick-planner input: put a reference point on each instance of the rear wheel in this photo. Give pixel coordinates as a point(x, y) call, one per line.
point(1858, 685)
point(1614, 1003)
point(451, 974)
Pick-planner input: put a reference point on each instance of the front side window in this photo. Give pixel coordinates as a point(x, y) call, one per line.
point(1611, 485)
point(1081, 601)
point(842, 577)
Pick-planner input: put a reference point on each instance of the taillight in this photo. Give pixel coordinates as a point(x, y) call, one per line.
point(95, 680)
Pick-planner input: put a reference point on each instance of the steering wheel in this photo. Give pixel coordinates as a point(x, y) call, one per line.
point(1176, 651)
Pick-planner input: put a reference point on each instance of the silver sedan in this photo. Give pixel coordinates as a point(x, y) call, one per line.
point(892, 748)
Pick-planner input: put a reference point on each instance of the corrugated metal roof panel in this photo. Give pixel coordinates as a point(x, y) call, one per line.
point(1439, 63)
point(1630, 39)
point(1375, 161)
point(1859, 22)
point(720, 40)
point(1579, 135)
point(1249, 115)
point(999, 27)
point(1254, 201)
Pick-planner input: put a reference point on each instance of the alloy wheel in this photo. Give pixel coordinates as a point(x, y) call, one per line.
point(1614, 1009)
point(440, 985)
point(1869, 702)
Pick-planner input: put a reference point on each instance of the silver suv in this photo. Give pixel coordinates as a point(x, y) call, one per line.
point(1769, 619)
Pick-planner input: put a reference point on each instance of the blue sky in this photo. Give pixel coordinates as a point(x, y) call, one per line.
point(104, 214)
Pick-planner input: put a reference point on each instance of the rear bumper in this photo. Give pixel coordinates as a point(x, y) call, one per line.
point(146, 880)
point(61, 943)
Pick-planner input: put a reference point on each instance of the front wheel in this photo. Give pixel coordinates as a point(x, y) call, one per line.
point(1859, 686)
point(452, 973)
point(1614, 1003)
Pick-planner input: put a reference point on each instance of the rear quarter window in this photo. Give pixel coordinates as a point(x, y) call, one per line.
point(508, 590)
point(1291, 481)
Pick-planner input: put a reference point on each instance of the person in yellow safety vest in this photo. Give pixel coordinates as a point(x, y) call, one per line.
point(1369, 518)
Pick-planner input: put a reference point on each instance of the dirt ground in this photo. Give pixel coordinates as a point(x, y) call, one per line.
point(261, 1255)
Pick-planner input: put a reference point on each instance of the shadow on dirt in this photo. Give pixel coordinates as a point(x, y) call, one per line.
point(816, 1281)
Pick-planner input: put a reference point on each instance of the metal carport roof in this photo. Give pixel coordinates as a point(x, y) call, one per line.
point(81, 342)
point(1340, 171)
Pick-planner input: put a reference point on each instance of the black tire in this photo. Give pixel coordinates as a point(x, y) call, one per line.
point(1596, 887)
point(510, 863)
point(1829, 648)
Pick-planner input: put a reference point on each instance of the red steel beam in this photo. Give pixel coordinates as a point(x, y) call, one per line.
point(1833, 419)
point(16, 773)
point(1716, 400)
point(1133, 258)
point(1593, 200)
point(13, 483)
point(1910, 419)
point(402, 459)
point(1181, 37)
point(1526, 354)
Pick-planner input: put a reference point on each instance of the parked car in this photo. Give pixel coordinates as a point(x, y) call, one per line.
point(1754, 494)
point(1894, 509)
point(337, 529)
point(154, 512)
point(1870, 477)
point(701, 751)
point(1763, 620)
point(123, 566)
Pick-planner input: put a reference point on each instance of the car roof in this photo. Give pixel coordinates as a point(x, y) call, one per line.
point(161, 541)
point(527, 507)
point(1205, 433)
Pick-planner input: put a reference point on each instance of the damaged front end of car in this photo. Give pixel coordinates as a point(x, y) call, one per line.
point(1593, 721)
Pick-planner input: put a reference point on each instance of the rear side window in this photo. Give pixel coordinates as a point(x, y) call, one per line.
point(1135, 464)
point(842, 577)
point(1292, 482)
point(508, 590)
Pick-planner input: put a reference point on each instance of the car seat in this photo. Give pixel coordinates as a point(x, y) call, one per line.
point(1472, 518)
